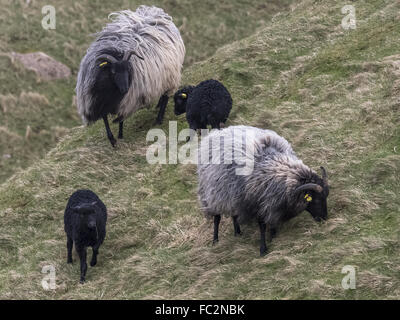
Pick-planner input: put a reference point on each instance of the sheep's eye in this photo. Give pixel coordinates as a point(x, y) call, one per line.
point(103, 64)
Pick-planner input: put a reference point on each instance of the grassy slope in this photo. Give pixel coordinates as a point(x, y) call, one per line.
point(47, 107)
point(332, 93)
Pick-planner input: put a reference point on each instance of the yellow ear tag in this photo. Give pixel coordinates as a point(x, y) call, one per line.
point(103, 63)
point(184, 95)
point(308, 197)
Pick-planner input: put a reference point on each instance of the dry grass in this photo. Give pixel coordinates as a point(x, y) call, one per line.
point(332, 94)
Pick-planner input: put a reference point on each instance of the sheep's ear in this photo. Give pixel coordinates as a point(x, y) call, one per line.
point(103, 64)
point(105, 60)
point(307, 197)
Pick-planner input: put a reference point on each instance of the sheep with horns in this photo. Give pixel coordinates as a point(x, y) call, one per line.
point(277, 187)
point(135, 60)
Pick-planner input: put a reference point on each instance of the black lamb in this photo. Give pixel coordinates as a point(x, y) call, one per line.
point(209, 103)
point(85, 221)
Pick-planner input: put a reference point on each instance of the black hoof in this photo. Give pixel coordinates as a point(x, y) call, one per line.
point(238, 234)
point(263, 253)
point(69, 261)
point(93, 263)
point(215, 241)
point(113, 142)
point(82, 281)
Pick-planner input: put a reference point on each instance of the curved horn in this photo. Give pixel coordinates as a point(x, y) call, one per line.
point(128, 54)
point(309, 186)
point(76, 208)
point(107, 57)
point(324, 176)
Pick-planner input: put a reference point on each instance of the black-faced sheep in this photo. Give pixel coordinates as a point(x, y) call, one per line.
point(85, 221)
point(208, 103)
point(135, 60)
point(276, 187)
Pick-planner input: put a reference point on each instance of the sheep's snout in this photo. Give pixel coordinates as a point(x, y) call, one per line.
point(92, 224)
point(122, 82)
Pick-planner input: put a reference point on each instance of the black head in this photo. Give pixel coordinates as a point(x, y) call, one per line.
point(314, 196)
point(87, 214)
point(180, 99)
point(119, 71)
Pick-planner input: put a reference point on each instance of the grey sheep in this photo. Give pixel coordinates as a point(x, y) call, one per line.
point(278, 187)
point(135, 60)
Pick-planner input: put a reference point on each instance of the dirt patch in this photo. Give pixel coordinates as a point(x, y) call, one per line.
point(43, 65)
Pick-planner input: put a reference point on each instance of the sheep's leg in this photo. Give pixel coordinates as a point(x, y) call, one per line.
point(272, 233)
point(109, 133)
point(70, 243)
point(236, 226)
point(162, 104)
point(121, 130)
point(215, 125)
point(94, 256)
point(212, 121)
point(82, 256)
point(217, 219)
point(192, 134)
point(263, 246)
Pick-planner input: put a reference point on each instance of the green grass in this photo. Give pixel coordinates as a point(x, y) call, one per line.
point(332, 93)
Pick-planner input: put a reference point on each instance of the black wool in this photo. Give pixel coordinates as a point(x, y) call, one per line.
point(107, 92)
point(85, 221)
point(208, 103)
